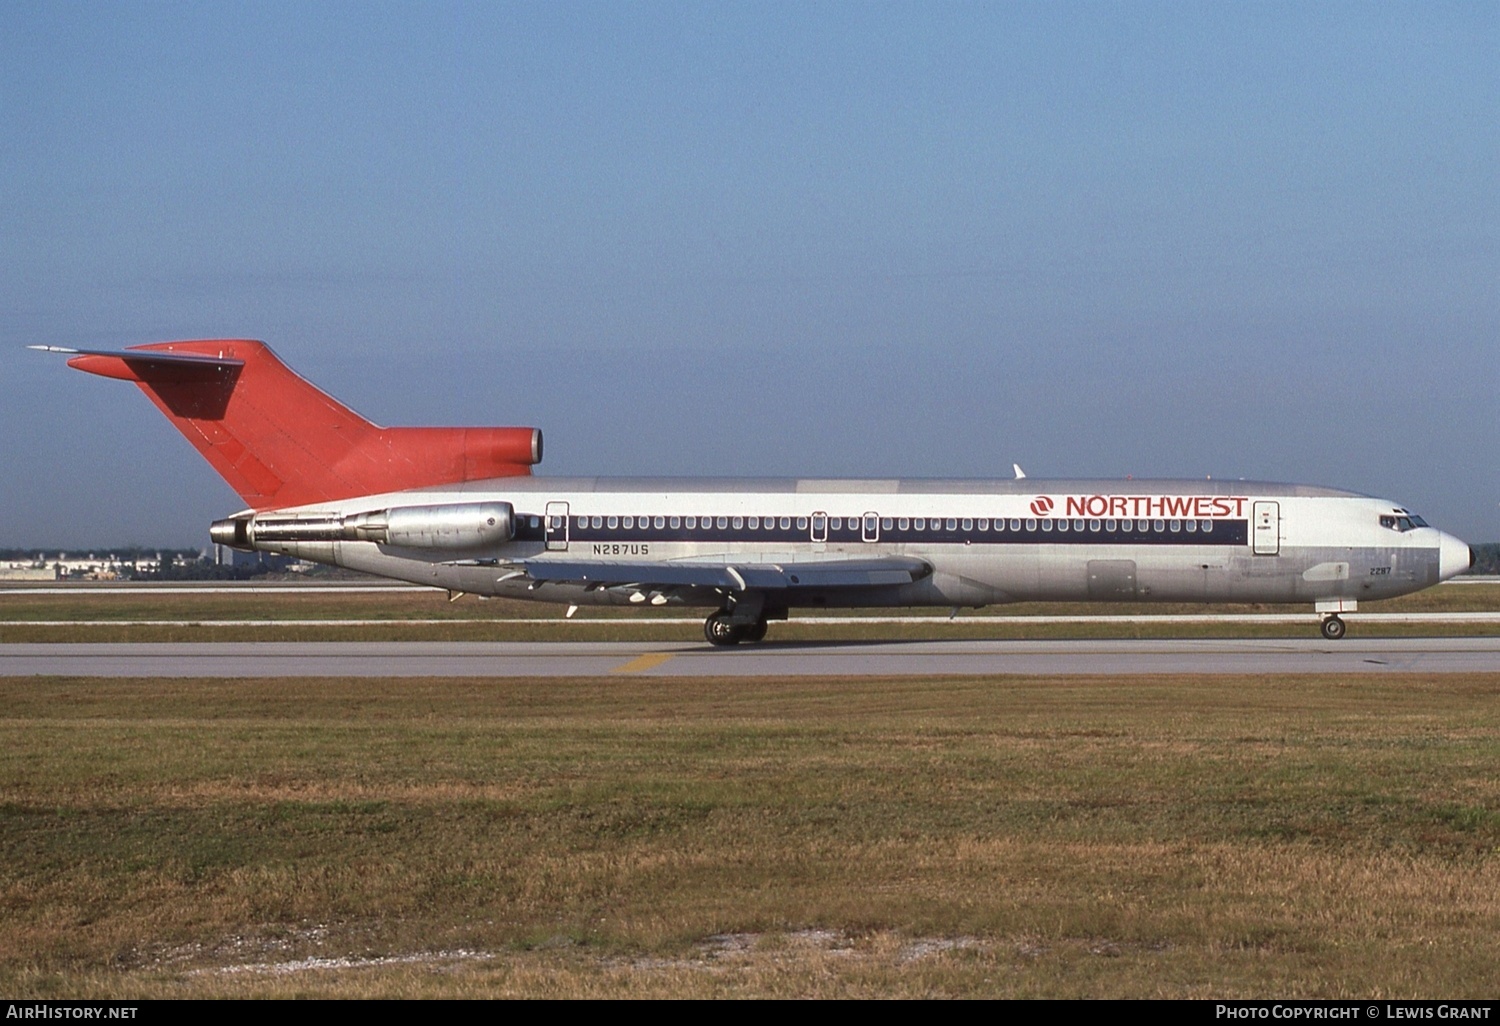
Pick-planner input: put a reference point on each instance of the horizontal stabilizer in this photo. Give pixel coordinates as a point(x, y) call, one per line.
point(146, 357)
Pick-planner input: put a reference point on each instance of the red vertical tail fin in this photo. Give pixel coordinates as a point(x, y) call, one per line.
point(280, 441)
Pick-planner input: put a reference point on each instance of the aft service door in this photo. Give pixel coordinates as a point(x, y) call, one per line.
point(557, 526)
point(819, 527)
point(1265, 526)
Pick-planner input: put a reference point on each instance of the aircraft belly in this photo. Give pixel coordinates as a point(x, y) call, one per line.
point(962, 576)
point(1055, 574)
point(1112, 580)
point(370, 558)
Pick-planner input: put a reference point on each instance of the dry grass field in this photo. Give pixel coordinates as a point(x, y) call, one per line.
point(1210, 837)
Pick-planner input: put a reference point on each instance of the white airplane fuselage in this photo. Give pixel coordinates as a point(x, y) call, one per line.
point(985, 541)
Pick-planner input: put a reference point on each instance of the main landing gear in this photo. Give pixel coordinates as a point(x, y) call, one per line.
point(720, 629)
point(1333, 628)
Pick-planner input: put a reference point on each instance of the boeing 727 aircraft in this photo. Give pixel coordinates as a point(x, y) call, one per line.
point(457, 508)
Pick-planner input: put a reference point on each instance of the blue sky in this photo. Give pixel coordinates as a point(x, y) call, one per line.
point(928, 239)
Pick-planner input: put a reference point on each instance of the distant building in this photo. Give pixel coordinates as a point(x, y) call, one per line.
point(27, 572)
point(135, 565)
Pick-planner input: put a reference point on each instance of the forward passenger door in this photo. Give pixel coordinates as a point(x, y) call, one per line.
point(1265, 526)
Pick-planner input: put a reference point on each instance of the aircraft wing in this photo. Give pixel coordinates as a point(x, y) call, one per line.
point(731, 576)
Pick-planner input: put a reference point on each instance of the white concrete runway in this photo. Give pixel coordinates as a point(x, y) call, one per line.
point(786, 659)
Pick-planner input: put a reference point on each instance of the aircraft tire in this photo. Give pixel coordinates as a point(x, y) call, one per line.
point(719, 631)
point(756, 631)
point(1333, 628)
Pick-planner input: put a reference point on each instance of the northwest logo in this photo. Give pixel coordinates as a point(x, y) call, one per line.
point(1041, 505)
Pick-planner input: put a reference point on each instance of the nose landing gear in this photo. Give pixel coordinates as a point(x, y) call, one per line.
point(1329, 609)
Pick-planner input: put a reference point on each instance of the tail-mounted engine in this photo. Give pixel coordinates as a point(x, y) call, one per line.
point(456, 526)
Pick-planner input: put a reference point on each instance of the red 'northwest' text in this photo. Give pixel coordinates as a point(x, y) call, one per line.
point(1198, 507)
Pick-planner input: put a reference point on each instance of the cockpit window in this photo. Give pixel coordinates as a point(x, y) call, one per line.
point(1402, 524)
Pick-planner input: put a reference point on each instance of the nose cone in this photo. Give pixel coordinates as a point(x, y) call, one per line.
point(1454, 557)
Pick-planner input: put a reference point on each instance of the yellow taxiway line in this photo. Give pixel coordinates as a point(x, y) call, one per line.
point(642, 663)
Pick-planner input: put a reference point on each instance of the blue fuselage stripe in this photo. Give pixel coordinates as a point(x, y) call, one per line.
point(1143, 532)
